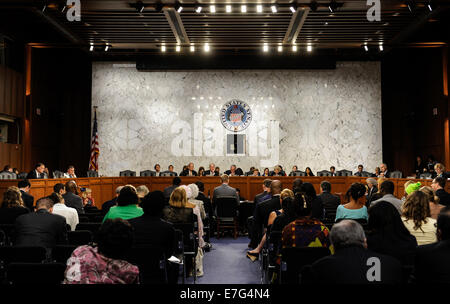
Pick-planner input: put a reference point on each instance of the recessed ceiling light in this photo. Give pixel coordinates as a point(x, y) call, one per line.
point(178, 48)
point(309, 48)
point(243, 8)
point(259, 8)
point(206, 48)
point(212, 9)
point(228, 8)
point(273, 8)
point(198, 9)
point(163, 48)
point(265, 47)
point(294, 48)
point(192, 48)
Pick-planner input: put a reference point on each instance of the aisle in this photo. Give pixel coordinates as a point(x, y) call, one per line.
point(227, 263)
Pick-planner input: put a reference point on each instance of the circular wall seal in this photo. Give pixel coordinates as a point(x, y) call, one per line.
point(235, 115)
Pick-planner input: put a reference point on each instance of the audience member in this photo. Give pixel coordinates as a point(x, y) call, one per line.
point(38, 172)
point(431, 263)
point(142, 191)
point(191, 194)
point(150, 229)
point(70, 172)
point(254, 230)
point(309, 172)
point(264, 208)
point(88, 200)
point(202, 197)
point(419, 166)
point(308, 190)
point(127, 205)
point(405, 185)
point(297, 185)
point(417, 218)
point(211, 171)
point(28, 199)
point(330, 201)
point(384, 171)
point(360, 171)
point(354, 209)
point(111, 203)
point(105, 263)
point(241, 198)
point(412, 187)
point(290, 206)
point(70, 214)
point(352, 262)
point(388, 235)
point(7, 169)
point(387, 192)
point(253, 254)
point(372, 189)
point(59, 188)
point(435, 207)
point(224, 190)
point(12, 206)
point(71, 197)
point(265, 195)
point(176, 182)
point(438, 186)
point(189, 171)
point(40, 228)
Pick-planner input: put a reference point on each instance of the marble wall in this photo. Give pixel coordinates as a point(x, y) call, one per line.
point(314, 118)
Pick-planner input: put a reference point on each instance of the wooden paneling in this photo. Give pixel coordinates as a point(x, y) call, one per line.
point(103, 188)
point(11, 154)
point(11, 92)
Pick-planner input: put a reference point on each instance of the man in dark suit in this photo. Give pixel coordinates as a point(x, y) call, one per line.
point(171, 170)
point(333, 171)
point(189, 171)
point(40, 228)
point(265, 195)
point(24, 187)
point(352, 262)
point(264, 209)
point(384, 171)
point(202, 197)
point(330, 201)
point(360, 171)
point(71, 197)
point(38, 172)
point(232, 171)
point(211, 171)
point(111, 203)
point(168, 190)
point(438, 186)
point(224, 190)
point(431, 261)
point(254, 231)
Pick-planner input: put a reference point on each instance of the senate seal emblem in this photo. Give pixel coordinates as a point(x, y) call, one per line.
point(235, 115)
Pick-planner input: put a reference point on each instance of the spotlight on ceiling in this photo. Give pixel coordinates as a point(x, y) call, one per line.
point(198, 9)
point(91, 48)
point(212, 9)
point(411, 6)
point(177, 48)
point(106, 48)
point(63, 8)
point(294, 48)
point(430, 6)
point(192, 48)
point(309, 48)
point(265, 47)
point(366, 48)
point(293, 8)
point(178, 8)
point(228, 8)
point(44, 7)
point(206, 47)
point(273, 8)
point(381, 47)
point(259, 8)
point(332, 6)
point(313, 5)
point(243, 8)
point(163, 48)
point(280, 48)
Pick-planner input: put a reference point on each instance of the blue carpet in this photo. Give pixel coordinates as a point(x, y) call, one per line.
point(227, 263)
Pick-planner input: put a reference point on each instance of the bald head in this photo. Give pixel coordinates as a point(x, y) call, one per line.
point(276, 187)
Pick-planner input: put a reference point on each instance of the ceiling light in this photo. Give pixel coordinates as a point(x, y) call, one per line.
point(294, 48)
point(273, 8)
point(192, 48)
point(280, 48)
point(179, 8)
point(332, 6)
point(366, 48)
point(381, 48)
point(293, 9)
point(259, 8)
point(91, 48)
point(265, 47)
point(178, 48)
point(309, 48)
point(44, 7)
point(206, 48)
point(163, 48)
point(140, 6)
point(63, 9)
point(228, 8)
point(243, 8)
point(198, 9)
point(212, 9)
point(106, 48)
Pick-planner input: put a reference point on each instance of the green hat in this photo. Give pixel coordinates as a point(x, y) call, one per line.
point(412, 187)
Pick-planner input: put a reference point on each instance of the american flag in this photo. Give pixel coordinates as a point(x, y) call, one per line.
point(93, 163)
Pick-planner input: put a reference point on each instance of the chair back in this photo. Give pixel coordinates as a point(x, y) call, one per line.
point(7, 175)
point(226, 207)
point(22, 175)
point(58, 174)
point(294, 259)
point(35, 273)
point(299, 173)
point(151, 261)
point(26, 254)
point(324, 173)
point(61, 253)
point(79, 237)
point(8, 229)
point(344, 173)
point(189, 242)
point(127, 173)
point(92, 173)
point(147, 173)
point(168, 173)
point(396, 174)
point(92, 227)
point(426, 175)
point(366, 174)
